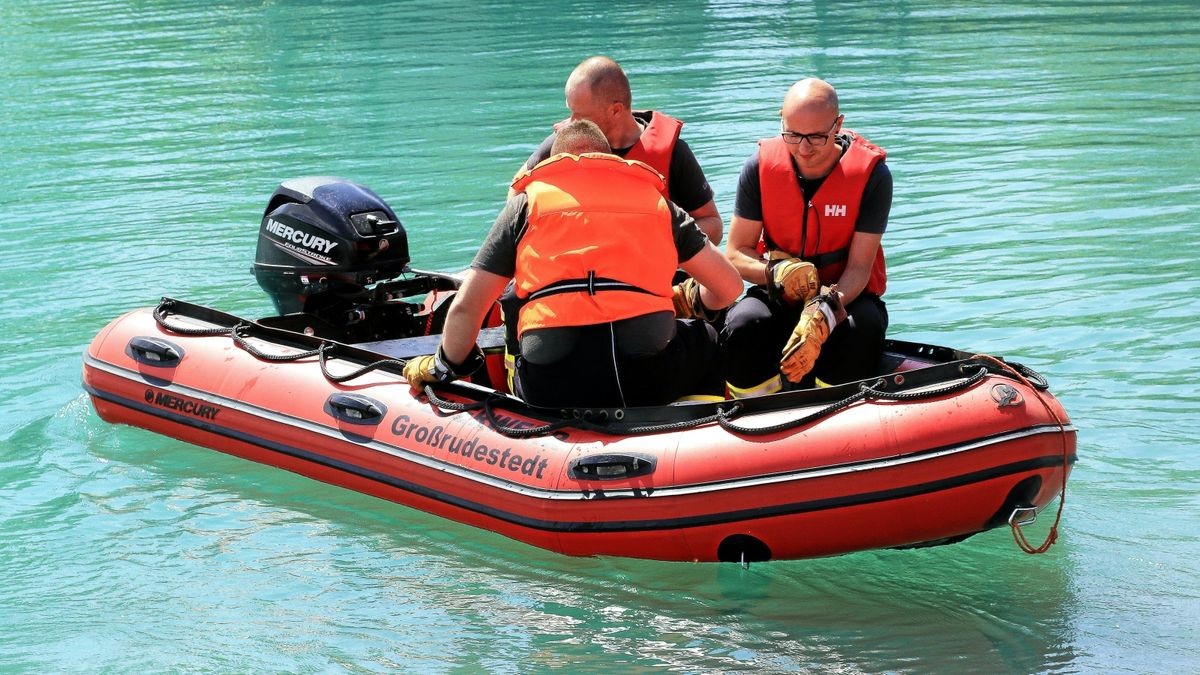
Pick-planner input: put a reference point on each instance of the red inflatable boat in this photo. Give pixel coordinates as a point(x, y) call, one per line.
point(940, 446)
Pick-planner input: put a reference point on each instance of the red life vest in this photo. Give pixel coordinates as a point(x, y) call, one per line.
point(821, 230)
point(657, 143)
point(599, 245)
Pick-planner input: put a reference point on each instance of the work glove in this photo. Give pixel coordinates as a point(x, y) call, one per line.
point(792, 280)
point(687, 301)
point(434, 368)
point(817, 320)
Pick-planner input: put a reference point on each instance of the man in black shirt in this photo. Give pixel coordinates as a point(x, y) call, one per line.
point(812, 205)
point(598, 91)
point(592, 245)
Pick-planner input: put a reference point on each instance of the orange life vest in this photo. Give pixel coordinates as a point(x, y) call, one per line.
point(657, 143)
point(599, 245)
point(819, 231)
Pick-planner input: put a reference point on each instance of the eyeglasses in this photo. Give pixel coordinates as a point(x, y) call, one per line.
point(815, 140)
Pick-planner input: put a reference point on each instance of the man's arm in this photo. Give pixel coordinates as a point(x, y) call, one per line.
point(863, 249)
point(741, 248)
point(709, 220)
point(864, 245)
point(719, 282)
point(689, 187)
point(746, 227)
point(479, 291)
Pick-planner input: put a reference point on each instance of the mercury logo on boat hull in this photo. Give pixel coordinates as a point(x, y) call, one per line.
point(186, 406)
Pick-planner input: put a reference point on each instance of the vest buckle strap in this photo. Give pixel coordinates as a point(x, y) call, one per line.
point(830, 258)
point(819, 259)
point(591, 285)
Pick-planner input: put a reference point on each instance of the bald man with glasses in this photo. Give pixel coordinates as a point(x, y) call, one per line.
point(812, 206)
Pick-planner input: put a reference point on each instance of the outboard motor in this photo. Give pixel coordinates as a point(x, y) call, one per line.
point(324, 235)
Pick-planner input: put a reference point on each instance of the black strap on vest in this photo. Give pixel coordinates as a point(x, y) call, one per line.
point(820, 259)
point(591, 285)
point(830, 258)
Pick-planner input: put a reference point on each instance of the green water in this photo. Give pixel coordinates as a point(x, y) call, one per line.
point(1046, 210)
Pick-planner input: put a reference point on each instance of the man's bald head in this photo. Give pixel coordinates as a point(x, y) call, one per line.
point(603, 79)
point(810, 95)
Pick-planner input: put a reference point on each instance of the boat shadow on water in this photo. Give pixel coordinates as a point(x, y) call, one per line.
point(1009, 611)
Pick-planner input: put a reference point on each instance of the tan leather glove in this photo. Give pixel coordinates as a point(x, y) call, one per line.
point(433, 368)
point(792, 280)
point(687, 301)
point(818, 319)
point(423, 370)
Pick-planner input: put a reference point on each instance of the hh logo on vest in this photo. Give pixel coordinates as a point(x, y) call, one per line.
point(835, 210)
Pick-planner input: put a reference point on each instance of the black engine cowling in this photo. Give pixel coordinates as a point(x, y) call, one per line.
point(326, 235)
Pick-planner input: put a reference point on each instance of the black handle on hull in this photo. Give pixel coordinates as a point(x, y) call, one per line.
point(611, 467)
point(355, 408)
point(154, 352)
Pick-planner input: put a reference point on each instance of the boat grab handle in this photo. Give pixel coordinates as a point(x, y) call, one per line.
point(611, 467)
point(355, 408)
point(154, 352)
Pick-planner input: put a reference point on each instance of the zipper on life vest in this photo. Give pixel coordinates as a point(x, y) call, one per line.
point(804, 229)
point(817, 244)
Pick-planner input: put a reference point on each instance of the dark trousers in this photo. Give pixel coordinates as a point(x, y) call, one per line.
point(756, 329)
point(595, 374)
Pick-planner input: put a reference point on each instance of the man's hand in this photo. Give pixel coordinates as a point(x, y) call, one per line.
point(687, 301)
point(818, 319)
point(424, 370)
point(792, 280)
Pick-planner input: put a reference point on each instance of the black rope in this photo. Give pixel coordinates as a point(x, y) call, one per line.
point(488, 407)
point(239, 338)
point(1035, 378)
point(160, 317)
point(530, 432)
point(865, 392)
point(718, 416)
point(443, 404)
point(791, 424)
point(585, 419)
point(326, 349)
point(914, 395)
point(239, 333)
point(723, 416)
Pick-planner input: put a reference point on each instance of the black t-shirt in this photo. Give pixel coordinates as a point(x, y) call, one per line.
point(686, 182)
point(872, 212)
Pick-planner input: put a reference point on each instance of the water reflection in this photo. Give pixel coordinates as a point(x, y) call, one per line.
point(981, 603)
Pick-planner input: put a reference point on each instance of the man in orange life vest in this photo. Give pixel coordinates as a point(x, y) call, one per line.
point(812, 205)
point(598, 91)
point(592, 246)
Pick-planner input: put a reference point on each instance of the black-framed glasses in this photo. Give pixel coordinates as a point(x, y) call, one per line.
point(815, 140)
